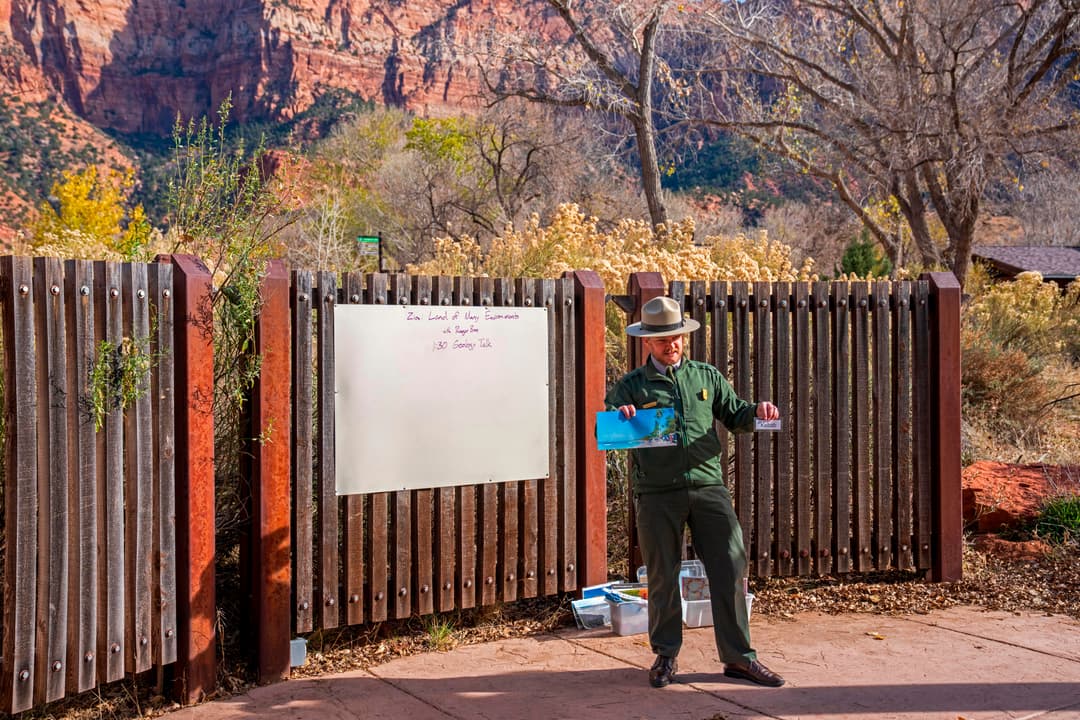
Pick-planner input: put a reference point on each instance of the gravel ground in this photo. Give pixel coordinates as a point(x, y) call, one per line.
point(1048, 583)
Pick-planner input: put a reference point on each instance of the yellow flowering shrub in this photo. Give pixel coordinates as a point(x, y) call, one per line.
point(573, 241)
point(1025, 314)
point(92, 220)
point(1011, 334)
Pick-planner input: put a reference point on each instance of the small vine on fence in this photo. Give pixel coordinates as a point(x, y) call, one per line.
point(119, 376)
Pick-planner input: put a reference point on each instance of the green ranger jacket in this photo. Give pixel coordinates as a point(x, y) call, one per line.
point(699, 393)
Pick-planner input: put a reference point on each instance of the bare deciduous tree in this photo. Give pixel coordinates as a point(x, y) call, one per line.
point(619, 58)
point(911, 105)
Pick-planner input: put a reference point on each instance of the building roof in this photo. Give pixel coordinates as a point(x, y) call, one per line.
point(1053, 263)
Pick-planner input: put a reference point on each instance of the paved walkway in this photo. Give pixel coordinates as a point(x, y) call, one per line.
point(959, 663)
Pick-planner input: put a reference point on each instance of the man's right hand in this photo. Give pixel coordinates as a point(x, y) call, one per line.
point(627, 411)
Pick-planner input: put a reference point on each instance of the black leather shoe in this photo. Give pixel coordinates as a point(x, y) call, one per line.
point(663, 671)
point(754, 672)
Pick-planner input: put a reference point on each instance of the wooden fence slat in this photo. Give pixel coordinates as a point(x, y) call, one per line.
point(111, 638)
point(823, 439)
point(487, 511)
point(698, 310)
point(138, 461)
point(860, 446)
point(881, 426)
point(902, 427)
point(720, 307)
point(566, 434)
point(303, 417)
point(782, 476)
point(509, 497)
point(52, 599)
point(841, 450)
point(547, 520)
point(744, 479)
point(465, 497)
point(761, 546)
point(423, 505)
point(352, 506)
point(801, 428)
point(83, 602)
point(326, 542)
point(401, 516)
point(923, 439)
point(401, 539)
point(163, 410)
point(21, 493)
point(445, 510)
point(677, 291)
point(377, 518)
point(527, 295)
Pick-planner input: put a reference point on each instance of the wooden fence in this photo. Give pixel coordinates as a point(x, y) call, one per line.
point(865, 474)
point(95, 573)
point(109, 533)
point(372, 557)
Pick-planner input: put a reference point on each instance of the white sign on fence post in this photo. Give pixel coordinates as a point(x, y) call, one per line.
point(436, 396)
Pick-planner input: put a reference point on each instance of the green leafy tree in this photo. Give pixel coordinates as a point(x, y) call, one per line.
point(863, 258)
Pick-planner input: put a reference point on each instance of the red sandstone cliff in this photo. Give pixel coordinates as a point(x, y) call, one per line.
point(133, 65)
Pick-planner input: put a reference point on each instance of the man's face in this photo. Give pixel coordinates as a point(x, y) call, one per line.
point(667, 350)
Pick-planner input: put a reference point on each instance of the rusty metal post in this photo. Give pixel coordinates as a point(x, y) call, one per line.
point(642, 287)
point(271, 413)
point(196, 674)
point(591, 361)
point(947, 563)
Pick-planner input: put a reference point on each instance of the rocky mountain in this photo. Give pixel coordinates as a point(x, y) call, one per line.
point(75, 74)
point(132, 65)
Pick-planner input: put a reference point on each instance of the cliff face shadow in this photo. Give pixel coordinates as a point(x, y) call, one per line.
point(183, 59)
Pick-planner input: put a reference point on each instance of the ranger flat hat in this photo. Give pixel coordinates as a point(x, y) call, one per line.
point(661, 317)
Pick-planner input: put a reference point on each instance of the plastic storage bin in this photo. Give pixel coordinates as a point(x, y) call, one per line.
point(698, 613)
point(629, 614)
point(629, 618)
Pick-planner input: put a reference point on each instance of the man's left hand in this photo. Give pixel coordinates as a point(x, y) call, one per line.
point(767, 411)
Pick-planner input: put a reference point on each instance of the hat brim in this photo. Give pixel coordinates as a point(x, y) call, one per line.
point(689, 325)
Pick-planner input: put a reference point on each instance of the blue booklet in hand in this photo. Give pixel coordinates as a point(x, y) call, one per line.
point(654, 427)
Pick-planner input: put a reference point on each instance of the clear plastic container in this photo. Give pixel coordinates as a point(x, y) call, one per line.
point(629, 618)
point(698, 613)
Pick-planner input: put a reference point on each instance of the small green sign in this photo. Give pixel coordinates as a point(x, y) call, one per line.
point(368, 244)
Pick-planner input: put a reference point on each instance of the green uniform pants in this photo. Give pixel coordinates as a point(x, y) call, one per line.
point(718, 543)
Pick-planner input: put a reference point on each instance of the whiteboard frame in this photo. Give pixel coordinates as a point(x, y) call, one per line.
point(440, 396)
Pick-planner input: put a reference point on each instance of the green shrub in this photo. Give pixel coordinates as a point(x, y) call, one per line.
point(863, 258)
point(1059, 521)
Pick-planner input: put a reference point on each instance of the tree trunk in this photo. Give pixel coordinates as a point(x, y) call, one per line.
point(642, 119)
point(914, 209)
point(650, 170)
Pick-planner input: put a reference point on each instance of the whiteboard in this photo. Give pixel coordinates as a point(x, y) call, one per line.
point(436, 396)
